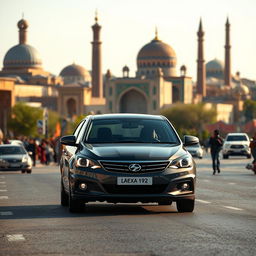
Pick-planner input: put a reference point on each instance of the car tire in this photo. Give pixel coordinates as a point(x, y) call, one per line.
point(23, 171)
point(64, 201)
point(74, 205)
point(249, 156)
point(185, 205)
point(165, 202)
point(225, 156)
point(29, 171)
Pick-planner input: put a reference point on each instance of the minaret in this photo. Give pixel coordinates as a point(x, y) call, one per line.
point(22, 25)
point(97, 87)
point(201, 86)
point(227, 73)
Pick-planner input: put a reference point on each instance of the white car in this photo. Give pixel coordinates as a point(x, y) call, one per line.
point(195, 150)
point(236, 144)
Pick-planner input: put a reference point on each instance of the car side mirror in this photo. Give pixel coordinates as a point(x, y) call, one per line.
point(190, 140)
point(69, 140)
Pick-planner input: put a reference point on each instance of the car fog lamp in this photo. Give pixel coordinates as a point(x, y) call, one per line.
point(185, 186)
point(83, 186)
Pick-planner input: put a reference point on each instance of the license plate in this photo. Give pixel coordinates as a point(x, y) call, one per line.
point(14, 165)
point(134, 181)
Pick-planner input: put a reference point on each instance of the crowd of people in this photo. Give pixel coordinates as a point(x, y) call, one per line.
point(44, 151)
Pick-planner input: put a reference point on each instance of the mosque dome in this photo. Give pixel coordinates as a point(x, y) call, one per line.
point(215, 68)
point(156, 54)
point(75, 74)
point(22, 56)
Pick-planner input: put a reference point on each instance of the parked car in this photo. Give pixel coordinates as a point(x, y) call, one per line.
point(16, 142)
point(195, 150)
point(236, 144)
point(127, 158)
point(14, 158)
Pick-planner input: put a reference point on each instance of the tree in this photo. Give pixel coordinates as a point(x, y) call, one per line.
point(190, 118)
point(249, 109)
point(23, 120)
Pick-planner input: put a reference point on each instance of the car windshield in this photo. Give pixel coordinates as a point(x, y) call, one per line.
point(237, 138)
point(131, 131)
point(12, 150)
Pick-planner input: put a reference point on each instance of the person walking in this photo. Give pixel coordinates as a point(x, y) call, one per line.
point(253, 149)
point(215, 143)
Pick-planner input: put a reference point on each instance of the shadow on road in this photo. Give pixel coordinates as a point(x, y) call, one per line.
point(91, 210)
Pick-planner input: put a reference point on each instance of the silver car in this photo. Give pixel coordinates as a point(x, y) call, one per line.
point(15, 158)
point(195, 150)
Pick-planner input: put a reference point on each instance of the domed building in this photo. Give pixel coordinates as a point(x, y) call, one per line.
point(215, 69)
point(154, 55)
point(156, 85)
point(74, 73)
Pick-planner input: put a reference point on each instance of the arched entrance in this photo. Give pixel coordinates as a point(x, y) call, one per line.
point(133, 102)
point(71, 107)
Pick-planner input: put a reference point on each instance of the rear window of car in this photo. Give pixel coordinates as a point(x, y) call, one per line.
point(237, 138)
point(131, 130)
point(12, 150)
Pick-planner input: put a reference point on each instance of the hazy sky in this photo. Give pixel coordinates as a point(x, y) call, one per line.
point(61, 30)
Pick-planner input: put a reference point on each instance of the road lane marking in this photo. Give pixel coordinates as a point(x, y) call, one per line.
point(2, 177)
point(233, 208)
point(232, 183)
point(3, 197)
point(3, 190)
point(2, 182)
point(203, 201)
point(206, 180)
point(16, 237)
point(6, 213)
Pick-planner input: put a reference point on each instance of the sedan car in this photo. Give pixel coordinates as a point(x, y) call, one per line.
point(14, 158)
point(127, 158)
point(195, 150)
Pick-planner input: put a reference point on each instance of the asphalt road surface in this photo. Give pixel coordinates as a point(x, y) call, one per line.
point(32, 222)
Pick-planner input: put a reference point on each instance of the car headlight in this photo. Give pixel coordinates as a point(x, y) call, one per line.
point(182, 162)
point(24, 159)
point(85, 162)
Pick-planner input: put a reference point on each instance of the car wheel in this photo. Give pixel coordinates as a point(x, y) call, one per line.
point(249, 156)
point(185, 205)
point(23, 171)
point(64, 201)
point(75, 205)
point(225, 156)
point(29, 171)
point(165, 202)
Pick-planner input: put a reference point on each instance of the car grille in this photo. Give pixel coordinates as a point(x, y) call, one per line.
point(13, 160)
point(236, 146)
point(123, 167)
point(135, 189)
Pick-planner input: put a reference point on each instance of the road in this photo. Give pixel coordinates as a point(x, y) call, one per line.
point(32, 222)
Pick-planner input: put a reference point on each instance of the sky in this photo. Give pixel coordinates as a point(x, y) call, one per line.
point(61, 31)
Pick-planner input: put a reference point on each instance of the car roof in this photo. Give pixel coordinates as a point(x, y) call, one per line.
point(120, 115)
point(11, 145)
point(237, 133)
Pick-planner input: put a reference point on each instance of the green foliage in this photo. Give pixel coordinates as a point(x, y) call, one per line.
point(190, 119)
point(249, 110)
point(23, 119)
point(71, 126)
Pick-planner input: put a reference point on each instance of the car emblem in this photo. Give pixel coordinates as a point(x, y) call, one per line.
point(134, 167)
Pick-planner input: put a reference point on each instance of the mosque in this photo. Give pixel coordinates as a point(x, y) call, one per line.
point(156, 85)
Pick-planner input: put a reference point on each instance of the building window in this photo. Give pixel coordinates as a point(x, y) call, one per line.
point(154, 105)
point(154, 90)
point(110, 91)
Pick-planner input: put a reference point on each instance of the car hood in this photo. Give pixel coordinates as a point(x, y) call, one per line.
point(16, 157)
point(133, 151)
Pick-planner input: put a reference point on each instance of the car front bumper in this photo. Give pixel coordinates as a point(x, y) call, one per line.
point(102, 186)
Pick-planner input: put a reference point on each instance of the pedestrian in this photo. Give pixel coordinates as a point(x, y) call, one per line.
point(32, 150)
point(253, 148)
point(215, 143)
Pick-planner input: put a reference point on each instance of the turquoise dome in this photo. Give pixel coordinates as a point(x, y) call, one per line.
point(22, 55)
